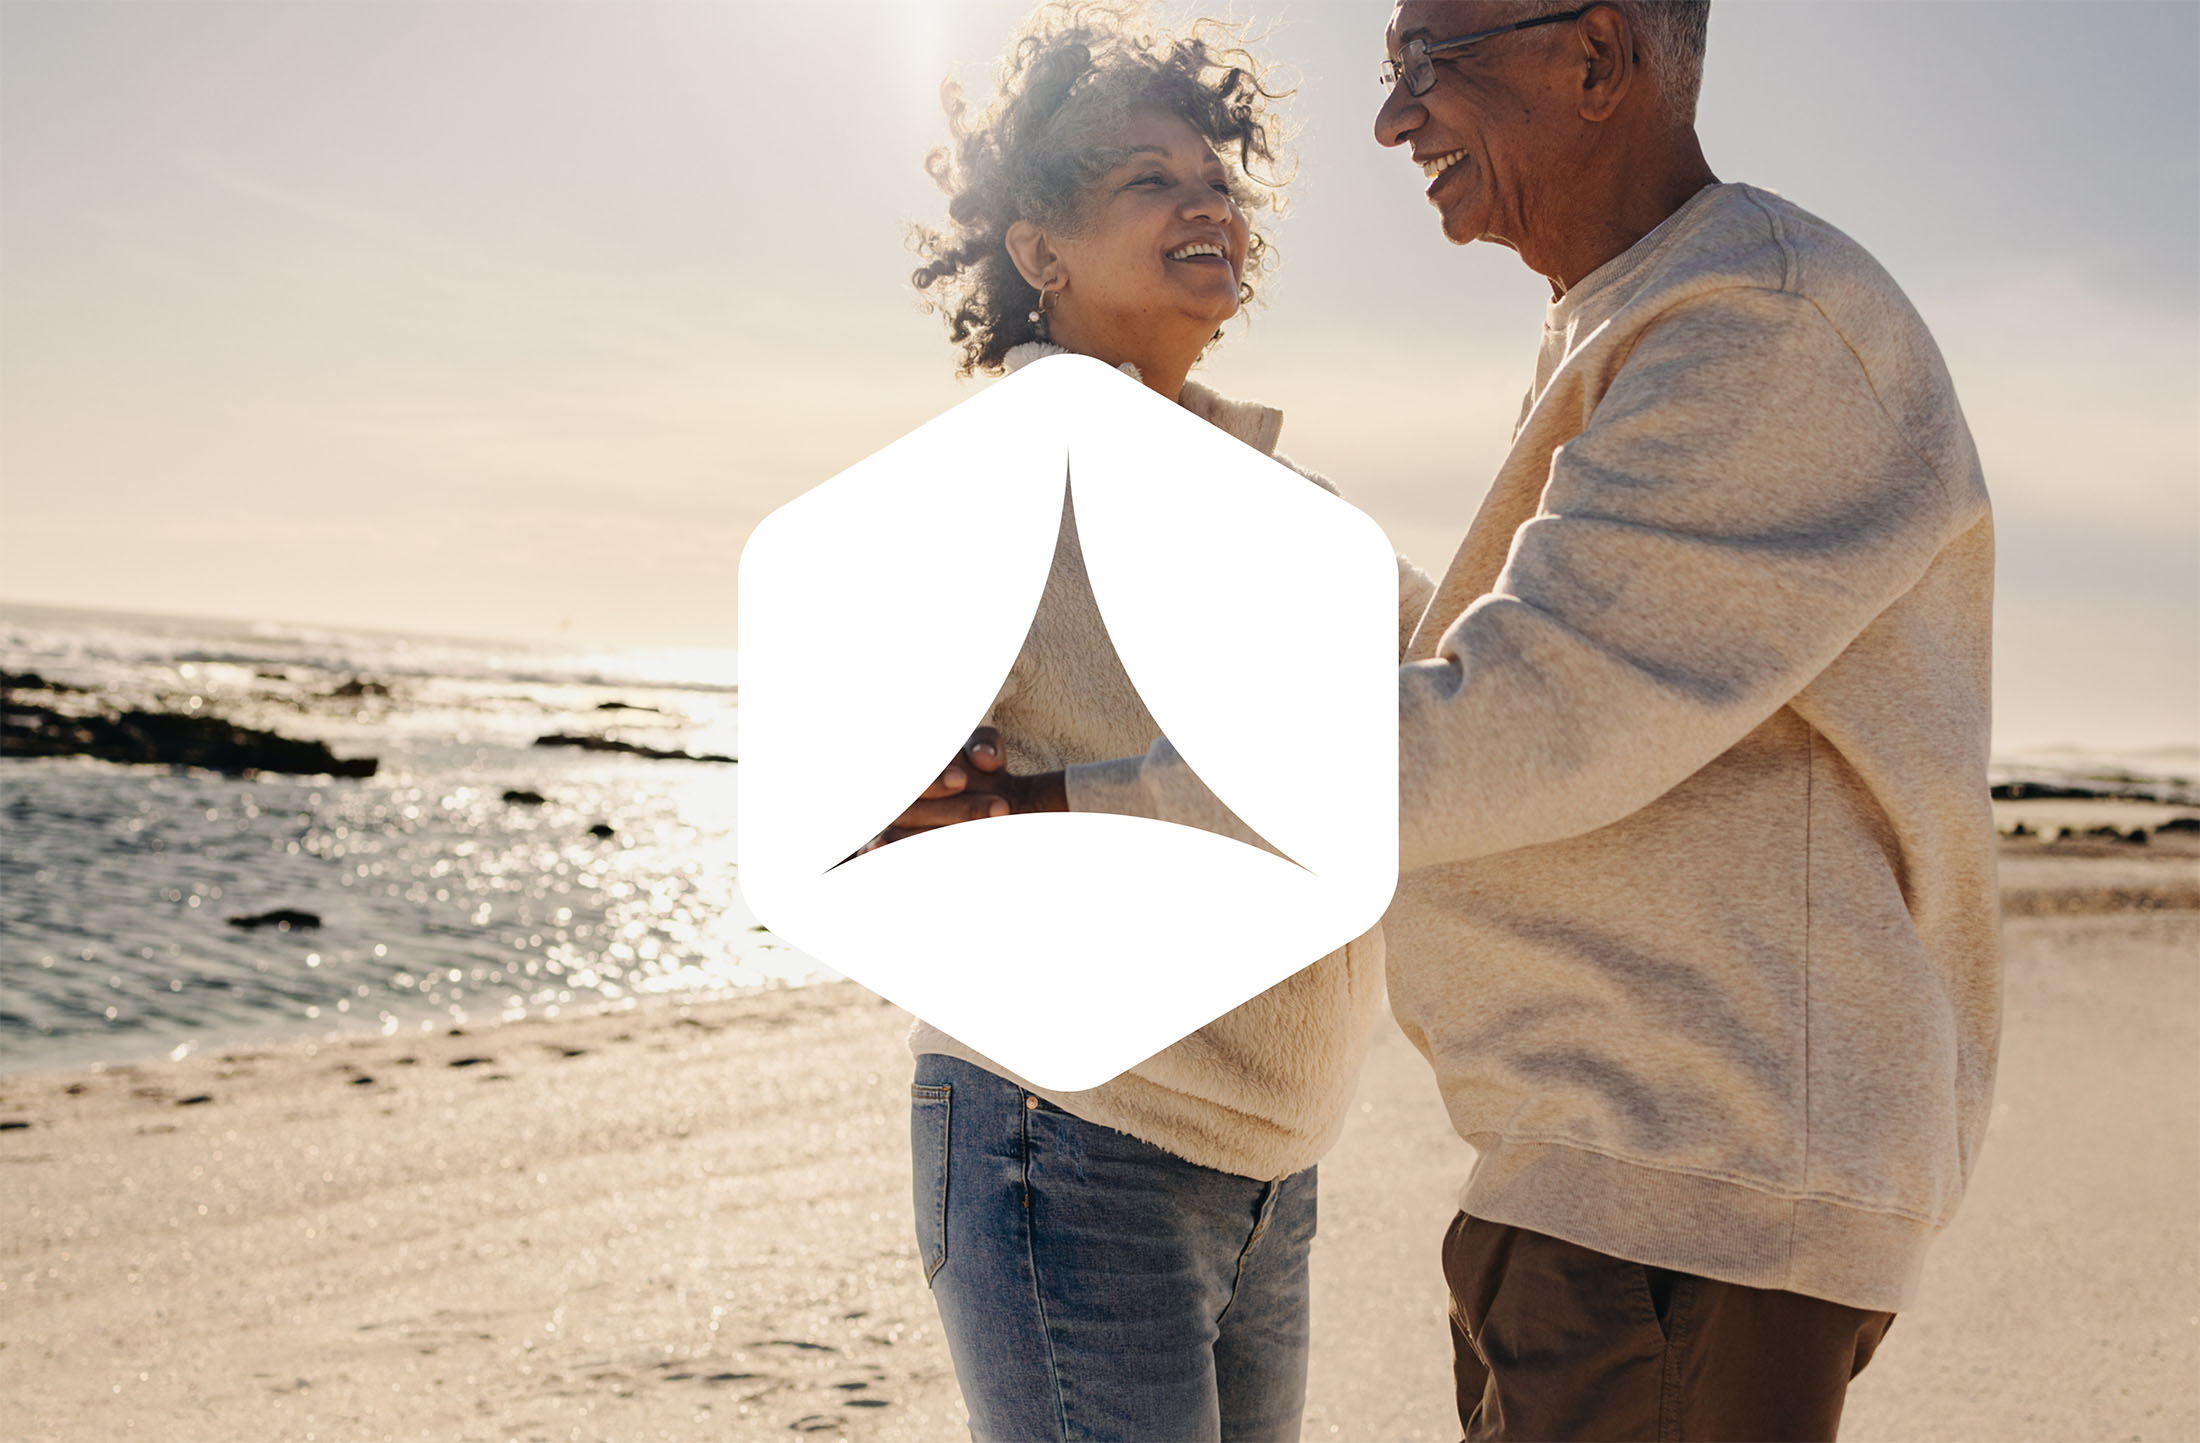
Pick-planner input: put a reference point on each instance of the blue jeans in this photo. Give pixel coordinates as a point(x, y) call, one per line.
point(1095, 1287)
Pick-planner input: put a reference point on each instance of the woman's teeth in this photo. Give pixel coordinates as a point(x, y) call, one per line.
point(1442, 163)
point(1185, 253)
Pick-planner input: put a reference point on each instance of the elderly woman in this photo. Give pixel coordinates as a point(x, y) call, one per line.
point(1130, 1261)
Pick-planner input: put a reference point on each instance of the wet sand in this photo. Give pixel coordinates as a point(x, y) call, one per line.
point(692, 1223)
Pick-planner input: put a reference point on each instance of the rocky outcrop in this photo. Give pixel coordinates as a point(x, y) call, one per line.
point(285, 919)
point(32, 681)
point(606, 744)
point(178, 739)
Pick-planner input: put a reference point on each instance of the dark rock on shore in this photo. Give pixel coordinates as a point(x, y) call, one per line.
point(602, 829)
point(287, 918)
point(2044, 791)
point(355, 688)
point(627, 706)
point(606, 744)
point(2177, 793)
point(525, 798)
point(32, 681)
point(146, 737)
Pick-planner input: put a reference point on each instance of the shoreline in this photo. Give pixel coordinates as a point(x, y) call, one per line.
point(2041, 876)
point(679, 1222)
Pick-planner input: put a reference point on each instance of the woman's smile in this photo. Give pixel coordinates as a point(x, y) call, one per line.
point(1201, 251)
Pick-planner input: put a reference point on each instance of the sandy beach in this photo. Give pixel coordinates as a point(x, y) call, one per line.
point(691, 1222)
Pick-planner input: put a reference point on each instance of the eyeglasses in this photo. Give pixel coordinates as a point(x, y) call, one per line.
point(1417, 64)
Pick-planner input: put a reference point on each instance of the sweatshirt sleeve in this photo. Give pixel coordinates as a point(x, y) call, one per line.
point(1736, 510)
point(1415, 591)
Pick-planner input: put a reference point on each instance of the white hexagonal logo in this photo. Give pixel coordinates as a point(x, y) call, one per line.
point(1256, 615)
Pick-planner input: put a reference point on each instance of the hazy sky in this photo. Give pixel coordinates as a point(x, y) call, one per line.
point(514, 319)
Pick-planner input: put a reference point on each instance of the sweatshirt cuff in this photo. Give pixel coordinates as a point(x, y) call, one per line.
point(1114, 787)
point(1158, 786)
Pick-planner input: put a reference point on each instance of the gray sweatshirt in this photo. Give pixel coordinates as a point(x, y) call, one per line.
point(1260, 1091)
point(1699, 923)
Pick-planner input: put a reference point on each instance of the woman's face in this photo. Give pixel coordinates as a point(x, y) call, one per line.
point(1159, 244)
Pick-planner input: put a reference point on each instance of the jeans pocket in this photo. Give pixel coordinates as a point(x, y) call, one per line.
point(928, 1107)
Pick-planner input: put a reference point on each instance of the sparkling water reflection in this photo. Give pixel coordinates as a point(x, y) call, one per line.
point(441, 902)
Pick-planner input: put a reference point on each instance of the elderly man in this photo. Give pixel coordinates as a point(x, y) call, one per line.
point(1698, 921)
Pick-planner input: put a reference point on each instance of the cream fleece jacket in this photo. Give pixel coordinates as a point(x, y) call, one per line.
point(1699, 930)
point(1260, 1091)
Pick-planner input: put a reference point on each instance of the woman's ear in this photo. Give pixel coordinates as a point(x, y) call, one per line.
point(1035, 257)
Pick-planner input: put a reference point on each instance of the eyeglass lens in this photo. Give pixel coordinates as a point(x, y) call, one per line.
point(1416, 69)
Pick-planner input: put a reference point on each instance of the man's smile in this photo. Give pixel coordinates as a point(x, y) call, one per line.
point(1436, 167)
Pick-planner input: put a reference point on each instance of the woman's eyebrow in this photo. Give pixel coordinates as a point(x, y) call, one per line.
point(1131, 153)
point(1209, 158)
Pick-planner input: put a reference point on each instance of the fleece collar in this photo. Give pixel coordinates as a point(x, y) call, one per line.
point(1256, 425)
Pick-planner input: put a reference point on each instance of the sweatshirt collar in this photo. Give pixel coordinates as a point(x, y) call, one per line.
point(1256, 425)
point(1635, 257)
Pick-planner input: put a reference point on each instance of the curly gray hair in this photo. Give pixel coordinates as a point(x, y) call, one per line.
point(1070, 78)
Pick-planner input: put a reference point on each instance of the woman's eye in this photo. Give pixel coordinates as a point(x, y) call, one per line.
point(1150, 180)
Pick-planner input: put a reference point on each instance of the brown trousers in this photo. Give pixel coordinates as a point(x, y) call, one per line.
point(1554, 1341)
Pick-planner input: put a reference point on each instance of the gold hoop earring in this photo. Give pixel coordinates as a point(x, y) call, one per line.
point(1038, 318)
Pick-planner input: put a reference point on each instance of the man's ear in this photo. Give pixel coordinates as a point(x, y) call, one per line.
point(1608, 61)
point(1035, 257)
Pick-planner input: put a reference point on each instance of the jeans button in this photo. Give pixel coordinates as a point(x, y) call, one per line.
point(1031, 1102)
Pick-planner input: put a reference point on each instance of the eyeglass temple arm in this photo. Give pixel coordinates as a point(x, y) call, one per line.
point(1431, 47)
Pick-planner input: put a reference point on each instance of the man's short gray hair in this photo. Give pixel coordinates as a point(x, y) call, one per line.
point(1669, 43)
point(1670, 37)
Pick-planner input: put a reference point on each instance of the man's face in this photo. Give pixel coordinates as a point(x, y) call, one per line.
point(1496, 130)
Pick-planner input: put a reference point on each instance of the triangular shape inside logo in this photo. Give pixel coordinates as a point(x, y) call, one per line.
point(1068, 698)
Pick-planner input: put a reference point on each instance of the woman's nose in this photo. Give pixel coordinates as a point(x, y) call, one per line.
point(1207, 203)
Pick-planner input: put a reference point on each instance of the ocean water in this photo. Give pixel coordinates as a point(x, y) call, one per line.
point(441, 903)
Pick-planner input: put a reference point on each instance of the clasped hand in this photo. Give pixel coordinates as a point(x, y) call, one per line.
point(975, 785)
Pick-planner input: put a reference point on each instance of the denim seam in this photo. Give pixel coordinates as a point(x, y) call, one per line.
point(1260, 1229)
point(944, 1094)
point(1038, 1294)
